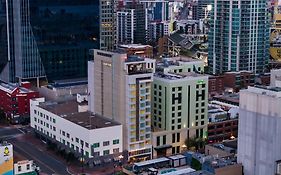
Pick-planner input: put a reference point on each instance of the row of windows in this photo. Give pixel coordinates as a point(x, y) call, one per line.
point(105, 143)
point(45, 116)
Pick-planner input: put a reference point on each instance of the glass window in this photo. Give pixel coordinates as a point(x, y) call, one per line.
point(116, 141)
point(106, 143)
point(106, 152)
point(96, 145)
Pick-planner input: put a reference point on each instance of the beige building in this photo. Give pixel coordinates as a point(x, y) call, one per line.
point(120, 88)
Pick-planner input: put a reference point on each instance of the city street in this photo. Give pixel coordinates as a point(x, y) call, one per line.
point(48, 164)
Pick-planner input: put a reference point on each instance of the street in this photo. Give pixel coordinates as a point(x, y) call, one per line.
point(47, 164)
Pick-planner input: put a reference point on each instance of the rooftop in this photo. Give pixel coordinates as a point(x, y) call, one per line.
point(174, 76)
point(134, 46)
point(134, 59)
point(228, 98)
point(68, 83)
point(10, 87)
point(69, 111)
point(176, 61)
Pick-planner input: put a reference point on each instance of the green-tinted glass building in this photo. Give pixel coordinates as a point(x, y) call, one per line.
point(238, 36)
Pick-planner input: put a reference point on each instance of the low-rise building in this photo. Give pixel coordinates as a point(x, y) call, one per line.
point(222, 124)
point(62, 90)
point(216, 85)
point(25, 167)
point(80, 132)
point(15, 100)
point(238, 80)
point(137, 49)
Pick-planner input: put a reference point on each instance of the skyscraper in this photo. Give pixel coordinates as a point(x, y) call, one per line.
point(108, 38)
point(46, 38)
point(238, 36)
point(120, 89)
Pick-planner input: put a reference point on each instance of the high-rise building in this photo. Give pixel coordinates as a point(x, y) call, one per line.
point(179, 106)
point(120, 89)
point(131, 24)
point(107, 14)
point(259, 130)
point(47, 38)
point(238, 36)
point(201, 8)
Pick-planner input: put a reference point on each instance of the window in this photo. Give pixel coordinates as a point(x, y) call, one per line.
point(54, 120)
point(173, 108)
point(178, 137)
point(63, 133)
point(179, 120)
point(54, 128)
point(164, 139)
point(96, 145)
point(179, 114)
point(19, 168)
point(179, 107)
point(179, 126)
point(116, 141)
point(28, 167)
point(116, 150)
point(202, 122)
point(106, 143)
point(77, 140)
point(173, 138)
point(158, 140)
point(87, 144)
point(202, 116)
point(67, 135)
point(106, 152)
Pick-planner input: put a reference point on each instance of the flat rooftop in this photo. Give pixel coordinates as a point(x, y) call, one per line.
point(68, 83)
point(177, 61)
point(177, 76)
point(270, 88)
point(69, 111)
point(10, 87)
point(228, 98)
point(134, 46)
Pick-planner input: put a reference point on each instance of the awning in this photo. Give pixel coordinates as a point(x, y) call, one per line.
point(163, 147)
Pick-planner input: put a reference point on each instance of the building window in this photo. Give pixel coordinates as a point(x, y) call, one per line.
point(87, 145)
point(67, 135)
point(173, 138)
point(164, 139)
point(19, 168)
point(77, 140)
point(96, 145)
point(54, 120)
point(54, 128)
point(116, 150)
point(34, 111)
point(28, 167)
point(158, 140)
point(178, 137)
point(202, 122)
point(116, 141)
point(106, 143)
point(106, 152)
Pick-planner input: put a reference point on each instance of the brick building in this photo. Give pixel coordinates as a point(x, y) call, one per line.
point(239, 80)
point(216, 85)
point(15, 100)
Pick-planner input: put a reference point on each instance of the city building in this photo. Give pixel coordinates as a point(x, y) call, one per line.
point(259, 130)
point(120, 89)
point(15, 101)
point(226, 101)
point(238, 40)
point(74, 129)
point(36, 45)
point(137, 49)
point(63, 90)
point(6, 158)
point(25, 167)
point(222, 124)
point(179, 106)
point(131, 24)
point(108, 20)
point(180, 64)
point(275, 77)
point(216, 85)
point(202, 8)
point(234, 81)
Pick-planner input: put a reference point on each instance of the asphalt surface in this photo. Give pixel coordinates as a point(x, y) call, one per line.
point(47, 164)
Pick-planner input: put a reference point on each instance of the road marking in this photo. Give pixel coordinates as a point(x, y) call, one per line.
point(21, 130)
point(36, 159)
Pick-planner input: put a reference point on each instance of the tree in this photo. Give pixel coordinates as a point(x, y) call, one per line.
point(195, 143)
